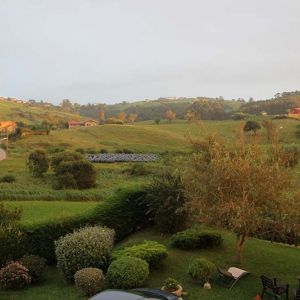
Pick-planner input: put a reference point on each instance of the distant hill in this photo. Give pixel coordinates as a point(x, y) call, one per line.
point(33, 113)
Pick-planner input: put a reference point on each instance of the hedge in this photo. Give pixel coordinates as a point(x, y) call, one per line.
point(122, 212)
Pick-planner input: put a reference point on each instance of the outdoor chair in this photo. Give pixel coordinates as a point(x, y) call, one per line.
point(271, 288)
point(230, 277)
point(297, 294)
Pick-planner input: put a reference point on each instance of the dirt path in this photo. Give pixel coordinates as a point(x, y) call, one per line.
point(2, 153)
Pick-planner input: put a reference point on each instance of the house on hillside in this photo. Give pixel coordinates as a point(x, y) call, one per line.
point(8, 126)
point(86, 123)
point(294, 112)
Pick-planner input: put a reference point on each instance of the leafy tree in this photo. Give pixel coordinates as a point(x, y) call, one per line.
point(157, 121)
point(122, 116)
point(38, 162)
point(236, 187)
point(170, 115)
point(252, 126)
point(132, 118)
point(191, 116)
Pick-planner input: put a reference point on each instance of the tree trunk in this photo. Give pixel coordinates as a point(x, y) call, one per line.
point(241, 239)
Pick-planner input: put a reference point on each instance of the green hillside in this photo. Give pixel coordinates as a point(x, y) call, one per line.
point(32, 114)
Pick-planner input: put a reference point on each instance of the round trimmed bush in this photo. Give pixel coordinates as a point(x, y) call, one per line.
point(89, 280)
point(14, 276)
point(86, 247)
point(150, 251)
point(127, 272)
point(36, 266)
point(201, 269)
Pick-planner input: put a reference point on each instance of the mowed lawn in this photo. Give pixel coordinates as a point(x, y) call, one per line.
point(34, 212)
point(274, 260)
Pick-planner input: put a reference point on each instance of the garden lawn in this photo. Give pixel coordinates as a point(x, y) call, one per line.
point(34, 212)
point(261, 257)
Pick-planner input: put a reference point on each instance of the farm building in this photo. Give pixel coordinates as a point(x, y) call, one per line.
point(294, 112)
point(87, 123)
point(8, 126)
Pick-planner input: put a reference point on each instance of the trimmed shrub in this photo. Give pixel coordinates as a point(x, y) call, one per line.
point(83, 172)
point(8, 179)
point(252, 126)
point(86, 247)
point(89, 280)
point(171, 284)
point(14, 276)
point(150, 251)
point(196, 239)
point(127, 273)
point(201, 269)
point(36, 266)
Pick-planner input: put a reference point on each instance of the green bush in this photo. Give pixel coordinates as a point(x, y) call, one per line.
point(14, 276)
point(8, 179)
point(166, 202)
point(127, 273)
point(82, 171)
point(13, 244)
point(9, 216)
point(103, 151)
point(65, 181)
point(89, 280)
point(36, 266)
point(80, 150)
point(171, 284)
point(60, 157)
point(86, 247)
point(38, 162)
point(252, 126)
point(124, 212)
point(201, 269)
point(150, 251)
point(196, 239)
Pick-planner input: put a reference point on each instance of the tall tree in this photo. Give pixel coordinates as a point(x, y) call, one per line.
point(237, 187)
point(170, 115)
point(102, 116)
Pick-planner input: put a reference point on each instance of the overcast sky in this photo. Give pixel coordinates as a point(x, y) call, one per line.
point(115, 50)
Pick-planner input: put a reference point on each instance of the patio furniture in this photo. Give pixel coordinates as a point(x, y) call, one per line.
point(273, 289)
point(230, 277)
point(297, 294)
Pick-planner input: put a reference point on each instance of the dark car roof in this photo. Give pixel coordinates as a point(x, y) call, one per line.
point(116, 295)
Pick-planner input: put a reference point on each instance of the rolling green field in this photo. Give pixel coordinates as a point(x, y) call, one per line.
point(35, 212)
point(31, 114)
point(274, 260)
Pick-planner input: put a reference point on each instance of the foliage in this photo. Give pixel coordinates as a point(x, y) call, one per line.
point(14, 276)
point(38, 162)
point(239, 116)
point(170, 115)
point(235, 186)
point(150, 251)
point(166, 202)
point(89, 280)
point(9, 216)
point(272, 131)
point(82, 171)
point(252, 126)
point(114, 121)
point(157, 121)
point(86, 247)
point(127, 273)
point(285, 157)
point(201, 269)
point(8, 179)
point(171, 284)
point(209, 109)
point(124, 212)
point(194, 238)
point(124, 150)
point(35, 265)
point(60, 157)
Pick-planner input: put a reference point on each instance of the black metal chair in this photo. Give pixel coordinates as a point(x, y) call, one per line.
point(297, 294)
point(273, 289)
